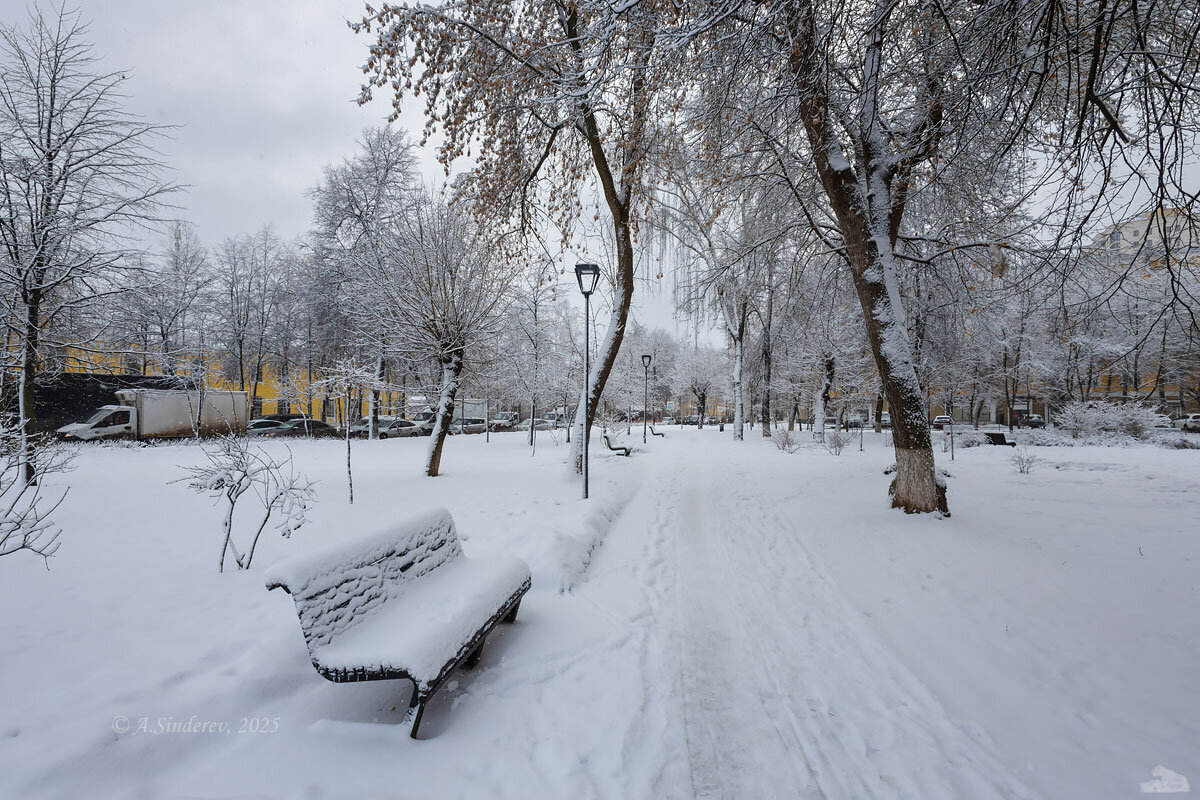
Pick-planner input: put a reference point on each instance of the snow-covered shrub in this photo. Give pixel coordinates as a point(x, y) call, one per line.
point(971, 438)
point(784, 440)
point(835, 441)
point(1024, 461)
point(235, 467)
point(1107, 419)
point(1179, 441)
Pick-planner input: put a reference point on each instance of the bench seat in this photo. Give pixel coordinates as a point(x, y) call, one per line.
point(427, 624)
point(401, 603)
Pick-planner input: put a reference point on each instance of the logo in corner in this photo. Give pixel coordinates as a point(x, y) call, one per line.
point(1166, 781)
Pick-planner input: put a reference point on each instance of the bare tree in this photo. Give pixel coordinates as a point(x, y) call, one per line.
point(76, 173)
point(552, 96)
point(440, 294)
point(343, 379)
point(357, 204)
point(698, 373)
point(171, 282)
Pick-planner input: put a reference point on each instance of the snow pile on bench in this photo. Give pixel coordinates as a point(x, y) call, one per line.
point(401, 602)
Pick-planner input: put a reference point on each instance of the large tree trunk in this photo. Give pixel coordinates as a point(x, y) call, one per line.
point(869, 206)
point(451, 369)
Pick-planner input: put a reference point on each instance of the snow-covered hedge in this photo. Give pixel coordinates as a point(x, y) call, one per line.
point(964, 438)
point(1106, 419)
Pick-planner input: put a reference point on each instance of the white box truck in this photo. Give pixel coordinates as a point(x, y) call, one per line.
point(164, 413)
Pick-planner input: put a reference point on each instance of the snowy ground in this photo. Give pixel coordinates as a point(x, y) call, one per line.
point(737, 622)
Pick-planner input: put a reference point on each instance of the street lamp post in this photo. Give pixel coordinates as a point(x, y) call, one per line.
point(587, 275)
point(645, 396)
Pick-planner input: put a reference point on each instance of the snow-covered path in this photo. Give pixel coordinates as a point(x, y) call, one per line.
point(785, 692)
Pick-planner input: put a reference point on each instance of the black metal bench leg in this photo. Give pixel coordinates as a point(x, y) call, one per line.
point(418, 703)
point(471, 660)
point(511, 616)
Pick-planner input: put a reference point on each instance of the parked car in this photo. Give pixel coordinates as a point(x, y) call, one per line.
point(557, 419)
point(1189, 422)
point(856, 420)
point(264, 426)
point(1031, 421)
point(691, 419)
point(885, 419)
point(468, 425)
point(362, 427)
point(282, 417)
point(941, 421)
point(314, 428)
point(668, 421)
point(503, 420)
point(402, 429)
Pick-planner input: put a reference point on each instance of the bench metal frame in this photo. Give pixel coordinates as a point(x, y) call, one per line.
point(467, 656)
point(624, 450)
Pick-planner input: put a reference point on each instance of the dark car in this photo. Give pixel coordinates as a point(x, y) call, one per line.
point(1031, 421)
point(305, 427)
point(282, 417)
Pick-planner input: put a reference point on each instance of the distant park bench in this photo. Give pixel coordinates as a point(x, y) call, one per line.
point(656, 433)
point(617, 448)
point(998, 438)
point(402, 603)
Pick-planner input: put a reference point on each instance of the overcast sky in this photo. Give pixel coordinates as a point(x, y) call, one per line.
point(263, 92)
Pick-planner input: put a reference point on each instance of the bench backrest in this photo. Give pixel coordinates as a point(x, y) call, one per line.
point(338, 586)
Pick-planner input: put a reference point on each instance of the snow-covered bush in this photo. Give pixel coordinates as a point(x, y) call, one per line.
point(1024, 461)
point(784, 440)
point(971, 438)
point(1107, 419)
point(235, 467)
point(1179, 441)
point(835, 441)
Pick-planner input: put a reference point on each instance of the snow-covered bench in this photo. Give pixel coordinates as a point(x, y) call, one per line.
point(401, 603)
point(617, 448)
point(998, 438)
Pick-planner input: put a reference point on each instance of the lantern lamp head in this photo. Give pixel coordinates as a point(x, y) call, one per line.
point(588, 276)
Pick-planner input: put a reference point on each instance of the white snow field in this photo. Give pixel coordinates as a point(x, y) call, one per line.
point(721, 619)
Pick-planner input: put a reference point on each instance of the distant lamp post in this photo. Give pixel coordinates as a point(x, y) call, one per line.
point(645, 395)
point(588, 276)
